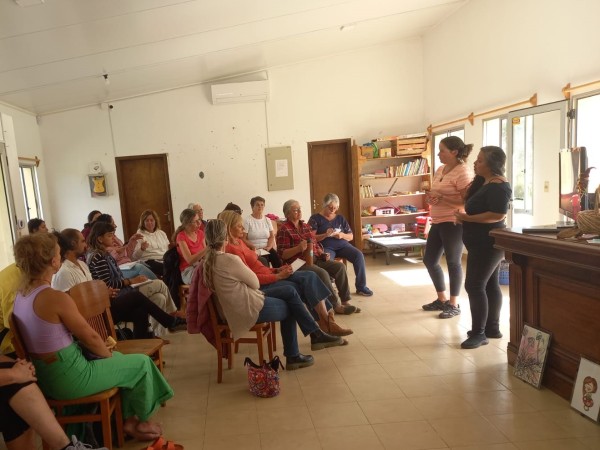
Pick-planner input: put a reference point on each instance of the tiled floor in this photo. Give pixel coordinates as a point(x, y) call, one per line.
point(402, 383)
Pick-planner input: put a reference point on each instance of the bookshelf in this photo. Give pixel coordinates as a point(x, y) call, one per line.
point(390, 176)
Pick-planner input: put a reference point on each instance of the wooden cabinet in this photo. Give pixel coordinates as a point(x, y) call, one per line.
point(390, 190)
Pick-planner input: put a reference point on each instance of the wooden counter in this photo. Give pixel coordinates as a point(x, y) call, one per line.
point(554, 285)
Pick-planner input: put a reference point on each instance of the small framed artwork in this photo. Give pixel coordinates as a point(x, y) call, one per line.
point(586, 398)
point(97, 185)
point(532, 356)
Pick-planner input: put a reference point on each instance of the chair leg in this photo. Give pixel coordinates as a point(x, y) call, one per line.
point(229, 356)
point(236, 347)
point(274, 336)
point(119, 421)
point(270, 336)
point(259, 343)
point(219, 363)
point(106, 425)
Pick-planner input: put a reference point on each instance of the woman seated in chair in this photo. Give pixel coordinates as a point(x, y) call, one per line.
point(305, 284)
point(123, 253)
point(190, 243)
point(244, 305)
point(49, 322)
point(259, 234)
point(334, 233)
point(293, 237)
point(125, 306)
point(104, 267)
point(24, 411)
point(154, 243)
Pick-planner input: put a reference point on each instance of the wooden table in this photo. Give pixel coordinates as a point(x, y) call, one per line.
point(555, 286)
point(391, 243)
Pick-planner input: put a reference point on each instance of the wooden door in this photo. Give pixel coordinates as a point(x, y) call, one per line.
point(144, 184)
point(329, 164)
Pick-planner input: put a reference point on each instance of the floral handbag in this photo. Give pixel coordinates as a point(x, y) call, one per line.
point(263, 381)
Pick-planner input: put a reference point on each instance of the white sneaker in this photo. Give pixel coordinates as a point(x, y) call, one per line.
point(76, 445)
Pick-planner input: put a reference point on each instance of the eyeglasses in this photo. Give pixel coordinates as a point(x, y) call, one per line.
point(296, 210)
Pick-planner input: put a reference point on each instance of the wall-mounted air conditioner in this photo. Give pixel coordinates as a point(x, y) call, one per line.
point(249, 91)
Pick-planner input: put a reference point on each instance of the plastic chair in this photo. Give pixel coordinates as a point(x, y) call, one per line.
point(109, 402)
point(225, 339)
point(93, 302)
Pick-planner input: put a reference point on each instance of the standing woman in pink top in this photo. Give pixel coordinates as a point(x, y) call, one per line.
point(190, 243)
point(450, 183)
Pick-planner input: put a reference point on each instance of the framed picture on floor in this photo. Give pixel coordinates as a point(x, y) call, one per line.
point(532, 356)
point(586, 398)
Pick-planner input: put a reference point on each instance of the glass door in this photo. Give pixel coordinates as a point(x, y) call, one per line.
point(7, 229)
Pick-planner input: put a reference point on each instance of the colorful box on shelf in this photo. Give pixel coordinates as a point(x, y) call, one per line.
point(384, 212)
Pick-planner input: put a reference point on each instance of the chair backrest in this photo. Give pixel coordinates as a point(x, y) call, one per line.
point(93, 302)
point(17, 340)
point(172, 274)
point(220, 327)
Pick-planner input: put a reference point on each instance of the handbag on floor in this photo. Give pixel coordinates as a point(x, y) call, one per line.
point(263, 381)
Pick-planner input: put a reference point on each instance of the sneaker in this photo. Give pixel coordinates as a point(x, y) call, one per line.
point(489, 334)
point(365, 292)
point(436, 305)
point(474, 341)
point(298, 362)
point(450, 311)
point(76, 445)
point(320, 340)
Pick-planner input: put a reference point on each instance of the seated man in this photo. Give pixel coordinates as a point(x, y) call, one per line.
point(24, 410)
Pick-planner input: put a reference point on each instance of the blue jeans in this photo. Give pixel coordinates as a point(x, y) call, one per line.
point(287, 312)
point(139, 269)
point(445, 237)
point(356, 257)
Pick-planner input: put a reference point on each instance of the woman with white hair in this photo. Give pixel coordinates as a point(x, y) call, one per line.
point(334, 234)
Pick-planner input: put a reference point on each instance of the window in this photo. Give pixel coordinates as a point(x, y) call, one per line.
point(587, 133)
point(494, 132)
point(437, 137)
point(522, 164)
point(31, 192)
point(7, 229)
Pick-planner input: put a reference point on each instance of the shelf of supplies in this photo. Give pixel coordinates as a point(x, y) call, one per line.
point(363, 178)
point(420, 213)
point(392, 158)
point(392, 196)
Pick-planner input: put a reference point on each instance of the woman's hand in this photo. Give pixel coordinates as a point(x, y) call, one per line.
point(113, 292)
point(138, 279)
point(284, 272)
point(136, 237)
point(433, 197)
point(23, 371)
point(144, 246)
point(302, 246)
point(461, 216)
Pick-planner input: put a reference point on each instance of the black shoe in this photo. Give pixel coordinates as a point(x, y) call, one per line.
point(436, 305)
point(489, 334)
point(320, 340)
point(450, 311)
point(178, 324)
point(474, 341)
point(298, 362)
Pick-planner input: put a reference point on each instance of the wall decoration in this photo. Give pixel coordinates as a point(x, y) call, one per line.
point(98, 185)
point(533, 352)
point(280, 172)
point(586, 398)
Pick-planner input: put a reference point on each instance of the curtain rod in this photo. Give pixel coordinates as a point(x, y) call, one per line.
point(568, 88)
point(471, 117)
point(36, 160)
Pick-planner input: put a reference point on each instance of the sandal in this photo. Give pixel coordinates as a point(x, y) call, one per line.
point(160, 444)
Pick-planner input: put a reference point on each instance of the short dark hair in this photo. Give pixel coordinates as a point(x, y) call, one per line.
point(455, 143)
point(233, 207)
point(106, 218)
point(34, 224)
point(67, 239)
point(92, 214)
point(253, 200)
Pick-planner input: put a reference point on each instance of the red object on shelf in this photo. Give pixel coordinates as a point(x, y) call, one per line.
point(423, 226)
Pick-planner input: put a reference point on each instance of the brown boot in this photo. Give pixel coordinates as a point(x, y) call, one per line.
point(329, 326)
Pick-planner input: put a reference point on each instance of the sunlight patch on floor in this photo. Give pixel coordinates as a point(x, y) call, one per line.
point(408, 277)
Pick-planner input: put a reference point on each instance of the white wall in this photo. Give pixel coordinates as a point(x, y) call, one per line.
point(363, 95)
point(493, 53)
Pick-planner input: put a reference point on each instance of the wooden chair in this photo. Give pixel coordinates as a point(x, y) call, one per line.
point(224, 338)
point(184, 291)
point(109, 402)
point(93, 302)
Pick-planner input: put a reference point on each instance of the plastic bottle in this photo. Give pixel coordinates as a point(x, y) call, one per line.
point(308, 253)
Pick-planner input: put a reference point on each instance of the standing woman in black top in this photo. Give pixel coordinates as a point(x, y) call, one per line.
point(486, 205)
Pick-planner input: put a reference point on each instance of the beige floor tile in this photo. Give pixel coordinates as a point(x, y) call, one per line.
point(380, 342)
point(440, 406)
point(239, 399)
point(327, 393)
point(472, 382)
point(505, 446)
point(183, 427)
point(381, 390)
point(558, 444)
point(289, 396)
point(391, 410)
point(311, 376)
point(434, 351)
point(529, 427)
point(408, 369)
point(590, 443)
point(355, 358)
point(408, 436)
point(574, 422)
point(373, 373)
point(421, 386)
point(231, 422)
point(347, 438)
point(477, 431)
point(337, 415)
point(237, 442)
point(497, 402)
point(542, 399)
point(291, 440)
point(284, 419)
point(454, 364)
point(393, 354)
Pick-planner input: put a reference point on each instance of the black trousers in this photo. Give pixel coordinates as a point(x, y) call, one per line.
point(483, 286)
point(445, 237)
point(133, 306)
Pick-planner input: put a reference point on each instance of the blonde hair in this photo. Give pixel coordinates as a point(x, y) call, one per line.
point(215, 236)
point(230, 218)
point(145, 214)
point(33, 254)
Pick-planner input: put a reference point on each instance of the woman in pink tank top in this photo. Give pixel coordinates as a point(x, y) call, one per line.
point(49, 320)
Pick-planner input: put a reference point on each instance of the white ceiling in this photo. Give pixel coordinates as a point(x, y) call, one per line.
point(53, 55)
